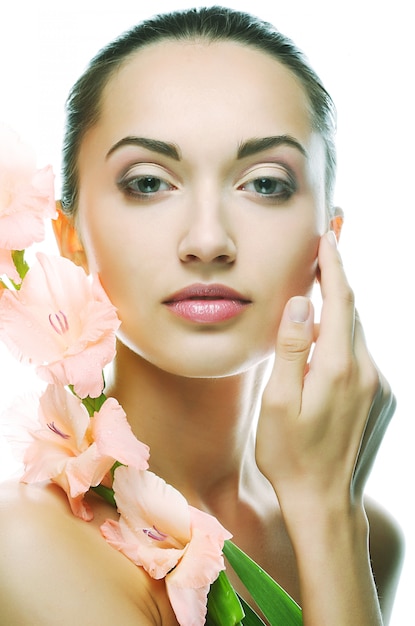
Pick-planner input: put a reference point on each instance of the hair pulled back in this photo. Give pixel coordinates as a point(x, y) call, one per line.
point(210, 24)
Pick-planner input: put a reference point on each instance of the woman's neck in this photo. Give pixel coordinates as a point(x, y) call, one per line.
point(200, 431)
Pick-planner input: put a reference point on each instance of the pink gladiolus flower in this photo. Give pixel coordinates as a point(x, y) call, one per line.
point(160, 532)
point(26, 194)
point(76, 451)
point(62, 322)
point(7, 265)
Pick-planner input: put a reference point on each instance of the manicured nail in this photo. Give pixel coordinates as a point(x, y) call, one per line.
point(331, 237)
point(299, 309)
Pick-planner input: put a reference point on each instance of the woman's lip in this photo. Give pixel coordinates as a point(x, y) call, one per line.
point(201, 291)
point(207, 304)
point(207, 311)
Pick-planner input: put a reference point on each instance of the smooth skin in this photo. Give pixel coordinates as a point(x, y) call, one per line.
point(293, 495)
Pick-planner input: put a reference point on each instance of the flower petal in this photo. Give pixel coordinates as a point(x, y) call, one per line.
point(57, 435)
point(114, 437)
point(86, 470)
point(146, 500)
point(26, 193)
point(7, 266)
point(136, 546)
point(208, 536)
point(63, 323)
point(62, 448)
point(43, 460)
point(153, 518)
point(18, 420)
point(189, 605)
point(80, 508)
point(63, 410)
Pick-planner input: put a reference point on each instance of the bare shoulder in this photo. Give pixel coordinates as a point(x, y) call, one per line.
point(387, 549)
point(53, 564)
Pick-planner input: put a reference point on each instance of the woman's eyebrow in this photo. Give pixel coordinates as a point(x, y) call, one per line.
point(253, 146)
point(245, 149)
point(155, 145)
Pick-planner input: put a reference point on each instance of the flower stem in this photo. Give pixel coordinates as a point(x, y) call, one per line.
point(106, 493)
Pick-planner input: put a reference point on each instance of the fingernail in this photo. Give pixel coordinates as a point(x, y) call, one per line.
point(331, 237)
point(299, 309)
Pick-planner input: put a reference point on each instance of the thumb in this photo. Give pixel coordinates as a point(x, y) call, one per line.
point(295, 337)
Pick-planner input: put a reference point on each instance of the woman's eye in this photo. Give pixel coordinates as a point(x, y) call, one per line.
point(140, 186)
point(268, 186)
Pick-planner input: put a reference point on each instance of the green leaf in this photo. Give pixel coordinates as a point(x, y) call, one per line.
point(276, 604)
point(114, 467)
point(223, 605)
point(251, 618)
point(20, 264)
point(93, 405)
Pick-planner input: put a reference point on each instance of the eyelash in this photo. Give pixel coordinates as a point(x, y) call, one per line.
point(126, 185)
point(284, 194)
point(156, 185)
point(287, 187)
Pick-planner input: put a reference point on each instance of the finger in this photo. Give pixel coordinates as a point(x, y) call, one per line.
point(295, 337)
point(337, 312)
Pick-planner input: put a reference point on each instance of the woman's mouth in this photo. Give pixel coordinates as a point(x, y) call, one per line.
point(207, 303)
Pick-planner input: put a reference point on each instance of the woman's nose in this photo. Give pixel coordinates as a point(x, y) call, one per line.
point(207, 235)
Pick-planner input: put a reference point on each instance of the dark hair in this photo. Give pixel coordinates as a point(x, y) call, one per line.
point(210, 24)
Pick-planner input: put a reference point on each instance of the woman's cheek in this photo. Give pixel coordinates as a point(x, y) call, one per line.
point(297, 264)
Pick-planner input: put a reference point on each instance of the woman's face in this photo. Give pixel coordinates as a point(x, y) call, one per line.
point(203, 177)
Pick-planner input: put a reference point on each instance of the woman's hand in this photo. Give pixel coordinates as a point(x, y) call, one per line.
point(322, 421)
point(321, 424)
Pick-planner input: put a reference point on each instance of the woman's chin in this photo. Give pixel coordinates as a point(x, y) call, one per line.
point(200, 366)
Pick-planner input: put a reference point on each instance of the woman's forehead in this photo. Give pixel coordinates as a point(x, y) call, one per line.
point(210, 76)
point(201, 95)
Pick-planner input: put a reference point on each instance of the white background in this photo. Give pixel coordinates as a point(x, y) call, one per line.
point(365, 54)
